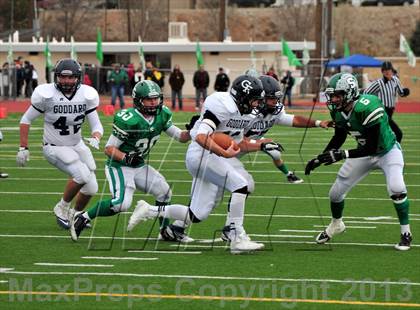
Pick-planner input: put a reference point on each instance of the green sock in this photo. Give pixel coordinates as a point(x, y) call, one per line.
point(283, 168)
point(402, 211)
point(337, 209)
point(163, 222)
point(102, 208)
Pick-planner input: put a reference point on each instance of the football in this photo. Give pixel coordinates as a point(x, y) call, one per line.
point(223, 140)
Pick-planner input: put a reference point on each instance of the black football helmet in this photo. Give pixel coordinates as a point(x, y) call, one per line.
point(67, 67)
point(272, 91)
point(246, 89)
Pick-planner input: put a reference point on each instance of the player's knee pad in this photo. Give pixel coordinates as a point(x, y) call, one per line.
point(399, 198)
point(242, 190)
point(90, 188)
point(397, 188)
point(274, 154)
point(337, 194)
point(81, 174)
point(164, 193)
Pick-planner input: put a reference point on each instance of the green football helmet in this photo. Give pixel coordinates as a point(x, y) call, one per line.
point(344, 86)
point(147, 90)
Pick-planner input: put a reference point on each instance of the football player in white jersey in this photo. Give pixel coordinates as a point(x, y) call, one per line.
point(65, 104)
point(273, 113)
point(215, 169)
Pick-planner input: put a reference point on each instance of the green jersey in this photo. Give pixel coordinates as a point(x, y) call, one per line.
point(137, 133)
point(368, 111)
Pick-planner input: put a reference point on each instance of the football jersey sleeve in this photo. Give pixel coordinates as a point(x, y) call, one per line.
point(37, 100)
point(120, 127)
point(284, 119)
point(91, 97)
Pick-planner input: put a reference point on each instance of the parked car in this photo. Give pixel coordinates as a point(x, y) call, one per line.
point(386, 2)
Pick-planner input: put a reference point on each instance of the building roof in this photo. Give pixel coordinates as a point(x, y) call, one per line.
point(153, 47)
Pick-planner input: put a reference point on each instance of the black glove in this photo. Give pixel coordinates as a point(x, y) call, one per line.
point(133, 159)
point(312, 165)
point(192, 122)
point(406, 92)
point(331, 156)
point(271, 146)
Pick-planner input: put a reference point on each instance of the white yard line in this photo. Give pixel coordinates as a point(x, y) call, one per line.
point(279, 236)
point(189, 181)
point(119, 258)
point(167, 252)
point(248, 215)
point(73, 265)
point(4, 281)
point(176, 276)
point(299, 230)
point(184, 170)
point(250, 197)
point(352, 227)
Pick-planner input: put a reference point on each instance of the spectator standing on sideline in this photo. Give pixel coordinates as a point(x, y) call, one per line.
point(20, 78)
point(222, 81)
point(153, 74)
point(288, 80)
point(118, 79)
point(5, 75)
point(271, 72)
point(387, 88)
point(176, 81)
point(130, 74)
point(34, 78)
point(27, 75)
point(201, 81)
point(139, 75)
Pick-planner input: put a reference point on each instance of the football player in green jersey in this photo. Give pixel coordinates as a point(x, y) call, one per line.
point(135, 131)
point(364, 118)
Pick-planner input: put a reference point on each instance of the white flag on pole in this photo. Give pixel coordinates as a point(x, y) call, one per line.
point(405, 48)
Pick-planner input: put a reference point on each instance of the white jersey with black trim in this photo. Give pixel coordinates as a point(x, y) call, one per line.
point(260, 123)
point(63, 117)
point(227, 118)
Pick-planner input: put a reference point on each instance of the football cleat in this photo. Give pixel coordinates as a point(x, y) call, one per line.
point(175, 234)
point(292, 178)
point(334, 228)
point(225, 235)
point(63, 215)
point(3, 175)
point(241, 243)
point(78, 224)
point(405, 242)
point(140, 213)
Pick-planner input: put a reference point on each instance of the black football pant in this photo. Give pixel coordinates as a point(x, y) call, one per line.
point(393, 124)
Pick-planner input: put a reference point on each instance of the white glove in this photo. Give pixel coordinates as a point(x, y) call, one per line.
point(93, 142)
point(273, 149)
point(1, 136)
point(22, 156)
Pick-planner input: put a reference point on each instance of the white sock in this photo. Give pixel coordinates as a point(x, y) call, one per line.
point(178, 223)
point(64, 204)
point(237, 209)
point(405, 229)
point(174, 212)
point(335, 221)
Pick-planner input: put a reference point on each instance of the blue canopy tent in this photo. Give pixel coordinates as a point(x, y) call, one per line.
point(356, 60)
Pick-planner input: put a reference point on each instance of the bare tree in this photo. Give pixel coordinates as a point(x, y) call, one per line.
point(295, 22)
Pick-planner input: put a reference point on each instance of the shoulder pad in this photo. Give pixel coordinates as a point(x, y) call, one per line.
point(227, 101)
point(45, 91)
point(166, 110)
point(89, 92)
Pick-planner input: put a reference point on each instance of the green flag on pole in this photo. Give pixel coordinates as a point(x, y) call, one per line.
point(141, 56)
point(47, 54)
point(99, 52)
point(10, 51)
point(198, 54)
point(346, 48)
point(73, 53)
point(291, 57)
point(406, 49)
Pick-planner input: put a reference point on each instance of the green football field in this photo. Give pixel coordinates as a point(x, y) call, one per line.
point(41, 268)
